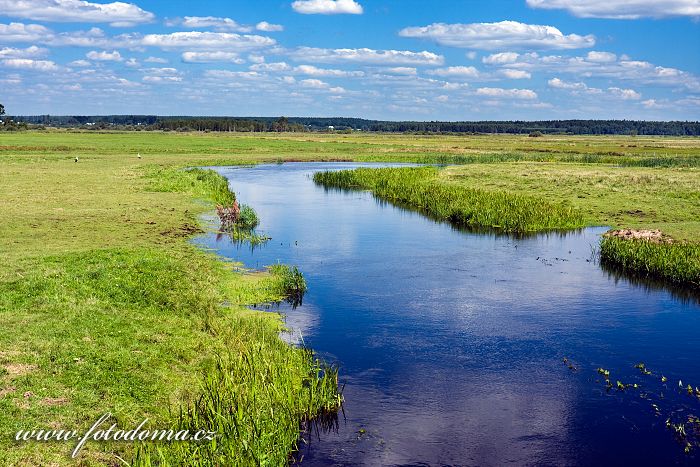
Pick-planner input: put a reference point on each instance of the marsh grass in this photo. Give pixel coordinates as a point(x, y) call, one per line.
point(419, 188)
point(675, 262)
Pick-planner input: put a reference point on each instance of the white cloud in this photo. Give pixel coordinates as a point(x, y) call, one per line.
point(314, 83)
point(311, 70)
point(132, 63)
point(622, 9)
point(368, 56)
point(104, 56)
point(507, 93)
point(501, 58)
point(162, 79)
point(621, 68)
point(561, 84)
point(601, 57)
point(218, 23)
point(29, 52)
point(211, 57)
point(269, 27)
point(400, 70)
point(162, 75)
point(503, 35)
point(155, 60)
point(274, 67)
point(327, 7)
point(652, 104)
point(516, 74)
point(118, 14)
point(455, 71)
point(29, 64)
point(19, 32)
point(80, 63)
point(209, 40)
point(626, 94)
point(580, 87)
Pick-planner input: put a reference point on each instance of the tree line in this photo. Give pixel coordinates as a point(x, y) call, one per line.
point(335, 124)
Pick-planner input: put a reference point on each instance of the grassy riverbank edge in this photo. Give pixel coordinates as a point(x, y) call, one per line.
point(503, 211)
point(157, 330)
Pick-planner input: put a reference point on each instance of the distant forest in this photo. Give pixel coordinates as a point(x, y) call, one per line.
point(339, 124)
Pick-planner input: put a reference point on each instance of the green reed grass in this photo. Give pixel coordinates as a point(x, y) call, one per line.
point(419, 188)
point(675, 262)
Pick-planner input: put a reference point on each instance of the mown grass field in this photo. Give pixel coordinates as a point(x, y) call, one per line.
point(106, 307)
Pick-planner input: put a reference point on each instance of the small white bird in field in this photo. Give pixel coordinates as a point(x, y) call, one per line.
point(76, 158)
point(139, 155)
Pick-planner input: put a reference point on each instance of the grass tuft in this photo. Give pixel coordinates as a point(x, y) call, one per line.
point(676, 262)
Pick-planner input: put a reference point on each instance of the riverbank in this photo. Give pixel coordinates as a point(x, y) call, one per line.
point(106, 307)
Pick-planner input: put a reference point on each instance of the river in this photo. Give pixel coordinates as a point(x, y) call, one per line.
point(451, 344)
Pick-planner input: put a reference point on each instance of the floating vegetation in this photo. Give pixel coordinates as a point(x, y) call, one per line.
point(418, 188)
point(679, 419)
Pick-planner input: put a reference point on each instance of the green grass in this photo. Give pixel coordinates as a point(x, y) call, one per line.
point(675, 262)
point(420, 188)
point(118, 313)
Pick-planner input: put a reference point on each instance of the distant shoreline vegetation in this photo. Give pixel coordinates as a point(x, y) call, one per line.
point(341, 124)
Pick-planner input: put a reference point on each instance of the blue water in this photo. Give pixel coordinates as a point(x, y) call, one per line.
point(450, 343)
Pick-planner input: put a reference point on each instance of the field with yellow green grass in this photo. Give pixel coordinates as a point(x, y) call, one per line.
point(106, 307)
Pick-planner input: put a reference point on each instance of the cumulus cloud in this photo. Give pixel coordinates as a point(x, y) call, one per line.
point(211, 57)
point(400, 70)
point(455, 71)
point(580, 87)
point(601, 57)
point(118, 14)
point(80, 63)
point(502, 35)
point(18, 32)
point(367, 56)
point(516, 74)
point(104, 56)
point(269, 27)
point(29, 52)
point(599, 65)
point(155, 60)
point(217, 23)
point(318, 84)
point(210, 40)
point(274, 67)
point(622, 9)
point(162, 75)
point(501, 58)
point(29, 64)
point(327, 7)
point(626, 94)
point(311, 70)
point(507, 93)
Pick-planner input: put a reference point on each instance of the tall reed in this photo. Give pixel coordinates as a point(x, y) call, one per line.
point(419, 188)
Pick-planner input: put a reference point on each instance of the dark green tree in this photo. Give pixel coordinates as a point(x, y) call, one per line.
point(2, 110)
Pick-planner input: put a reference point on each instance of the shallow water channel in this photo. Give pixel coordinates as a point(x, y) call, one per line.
point(450, 343)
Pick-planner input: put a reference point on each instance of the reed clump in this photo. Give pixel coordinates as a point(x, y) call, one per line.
point(677, 262)
point(419, 188)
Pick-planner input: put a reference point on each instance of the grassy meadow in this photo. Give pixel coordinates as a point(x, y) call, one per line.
point(106, 307)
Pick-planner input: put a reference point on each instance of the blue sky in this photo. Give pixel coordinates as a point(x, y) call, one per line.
point(393, 59)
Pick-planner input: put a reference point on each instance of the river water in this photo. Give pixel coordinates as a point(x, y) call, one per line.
point(451, 344)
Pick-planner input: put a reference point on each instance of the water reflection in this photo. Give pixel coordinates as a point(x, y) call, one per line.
point(450, 343)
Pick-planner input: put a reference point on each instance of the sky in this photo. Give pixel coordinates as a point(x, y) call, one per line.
point(377, 59)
